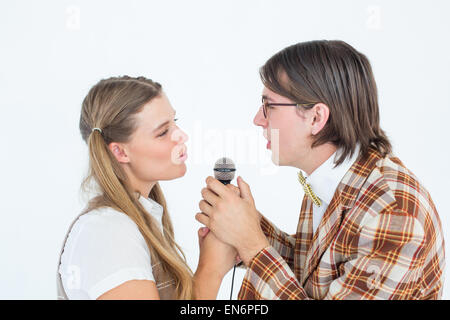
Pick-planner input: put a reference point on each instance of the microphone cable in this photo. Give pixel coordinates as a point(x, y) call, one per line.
point(232, 282)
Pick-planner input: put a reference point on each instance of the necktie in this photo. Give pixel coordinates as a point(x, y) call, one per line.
point(303, 238)
point(308, 190)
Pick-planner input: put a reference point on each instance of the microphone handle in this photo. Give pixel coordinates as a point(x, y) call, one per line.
point(225, 182)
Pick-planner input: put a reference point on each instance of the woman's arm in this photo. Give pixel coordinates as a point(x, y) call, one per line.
point(206, 284)
point(216, 259)
point(132, 290)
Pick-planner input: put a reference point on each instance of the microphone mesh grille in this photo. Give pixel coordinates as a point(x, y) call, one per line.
point(224, 163)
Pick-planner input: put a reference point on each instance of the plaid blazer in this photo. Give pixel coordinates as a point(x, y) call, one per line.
point(380, 238)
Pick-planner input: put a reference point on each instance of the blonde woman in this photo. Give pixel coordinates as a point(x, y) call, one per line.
point(122, 245)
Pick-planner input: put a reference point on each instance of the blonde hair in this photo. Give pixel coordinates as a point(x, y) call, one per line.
point(111, 105)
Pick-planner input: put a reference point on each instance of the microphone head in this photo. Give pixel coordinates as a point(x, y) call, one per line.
point(224, 169)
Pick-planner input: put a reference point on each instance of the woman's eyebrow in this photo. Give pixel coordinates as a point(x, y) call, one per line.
point(161, 125)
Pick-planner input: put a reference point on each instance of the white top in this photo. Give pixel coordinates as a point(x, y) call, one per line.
point(105, 249)
point(324, 181)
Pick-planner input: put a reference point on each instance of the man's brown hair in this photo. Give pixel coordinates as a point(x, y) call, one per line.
point(333, 73)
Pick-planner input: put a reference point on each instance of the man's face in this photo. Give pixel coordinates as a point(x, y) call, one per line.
point(287, 130)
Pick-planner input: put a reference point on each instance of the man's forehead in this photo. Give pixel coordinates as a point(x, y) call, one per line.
point(269, 94)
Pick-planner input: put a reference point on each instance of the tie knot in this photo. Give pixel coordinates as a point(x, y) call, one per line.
point(301, 179)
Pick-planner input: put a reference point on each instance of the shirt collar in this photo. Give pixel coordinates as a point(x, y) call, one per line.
point(326, 178)
point(152, 207)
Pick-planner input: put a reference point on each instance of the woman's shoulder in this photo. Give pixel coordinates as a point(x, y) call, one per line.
point(106, 219)
point(104, 227)
point(107, 249)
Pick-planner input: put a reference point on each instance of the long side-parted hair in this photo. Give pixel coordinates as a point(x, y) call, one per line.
point(111, 105)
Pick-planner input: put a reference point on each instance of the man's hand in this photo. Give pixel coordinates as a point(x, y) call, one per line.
point(232, 218)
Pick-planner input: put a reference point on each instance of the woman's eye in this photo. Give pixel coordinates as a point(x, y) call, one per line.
point(163, 133)
point(167, 130)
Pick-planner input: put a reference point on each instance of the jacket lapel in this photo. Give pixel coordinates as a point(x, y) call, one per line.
point(343, 200)
point(326, 231)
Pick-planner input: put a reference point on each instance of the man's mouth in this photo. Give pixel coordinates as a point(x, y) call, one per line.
point(266, 136)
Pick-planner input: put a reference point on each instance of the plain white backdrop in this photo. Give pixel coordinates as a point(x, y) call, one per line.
point(206, 54)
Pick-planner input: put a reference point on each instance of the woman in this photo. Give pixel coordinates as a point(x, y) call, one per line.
point(122, 245)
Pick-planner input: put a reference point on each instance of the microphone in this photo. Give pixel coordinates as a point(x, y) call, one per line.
point(224, 170)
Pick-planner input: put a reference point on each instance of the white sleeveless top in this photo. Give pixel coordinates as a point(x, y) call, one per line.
point(105, 249)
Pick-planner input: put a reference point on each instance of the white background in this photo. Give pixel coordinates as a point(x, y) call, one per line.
point(206, 54)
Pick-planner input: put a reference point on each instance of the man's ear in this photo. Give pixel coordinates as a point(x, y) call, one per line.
point(119, 152)
point(320, 115)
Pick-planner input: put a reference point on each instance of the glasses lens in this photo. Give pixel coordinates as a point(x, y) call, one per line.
point(264, 106)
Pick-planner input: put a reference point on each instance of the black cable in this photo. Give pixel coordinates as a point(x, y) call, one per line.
point(232, 282)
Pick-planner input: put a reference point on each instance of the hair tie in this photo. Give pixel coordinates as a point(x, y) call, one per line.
point(97, 129)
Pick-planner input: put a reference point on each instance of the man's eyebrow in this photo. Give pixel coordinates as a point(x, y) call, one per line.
point(266, 97)
point(164, 123)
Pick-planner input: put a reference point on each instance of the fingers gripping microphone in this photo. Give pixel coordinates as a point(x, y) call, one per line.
point(224, 170)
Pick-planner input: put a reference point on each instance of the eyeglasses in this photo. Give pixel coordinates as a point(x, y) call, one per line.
point(266, 105)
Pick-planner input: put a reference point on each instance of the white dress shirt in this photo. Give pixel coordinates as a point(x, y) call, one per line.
point(105, 249)
point(324, 181)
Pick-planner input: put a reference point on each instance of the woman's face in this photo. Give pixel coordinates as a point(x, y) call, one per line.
point(156, 150)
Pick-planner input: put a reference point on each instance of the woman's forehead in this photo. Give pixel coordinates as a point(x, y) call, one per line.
point(156, 112)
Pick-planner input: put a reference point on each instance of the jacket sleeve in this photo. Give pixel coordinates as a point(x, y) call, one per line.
point(282, 242)
point(387, 265)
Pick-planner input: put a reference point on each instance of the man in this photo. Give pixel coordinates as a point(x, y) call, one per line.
point(367, 229)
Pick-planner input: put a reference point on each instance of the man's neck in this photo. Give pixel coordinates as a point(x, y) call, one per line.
point(316, 157)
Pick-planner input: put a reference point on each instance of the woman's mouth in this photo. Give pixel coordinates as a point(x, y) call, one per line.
point(183, 155)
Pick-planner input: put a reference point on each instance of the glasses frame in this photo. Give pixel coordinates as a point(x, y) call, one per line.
point(266, 104)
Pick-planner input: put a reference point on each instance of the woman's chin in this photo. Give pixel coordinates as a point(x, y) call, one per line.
point(174, 172)
point(183, 168)
point(179, 171)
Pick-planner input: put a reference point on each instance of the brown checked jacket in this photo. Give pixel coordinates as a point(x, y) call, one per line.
point(380, 238)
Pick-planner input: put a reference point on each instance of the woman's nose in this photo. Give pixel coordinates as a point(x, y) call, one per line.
point(259, 119)
point(179, 136)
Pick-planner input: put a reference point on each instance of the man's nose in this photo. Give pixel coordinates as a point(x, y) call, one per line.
point(259, 119)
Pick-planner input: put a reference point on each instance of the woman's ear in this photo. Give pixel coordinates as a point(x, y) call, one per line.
point(320, 115)
point(119, 152)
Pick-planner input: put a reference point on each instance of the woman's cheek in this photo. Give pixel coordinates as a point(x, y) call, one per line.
point(160, 153)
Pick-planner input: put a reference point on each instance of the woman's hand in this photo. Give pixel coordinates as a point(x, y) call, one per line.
point(216, 259)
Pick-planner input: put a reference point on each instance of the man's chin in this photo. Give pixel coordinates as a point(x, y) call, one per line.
point(281, 162)
point(276, 160)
